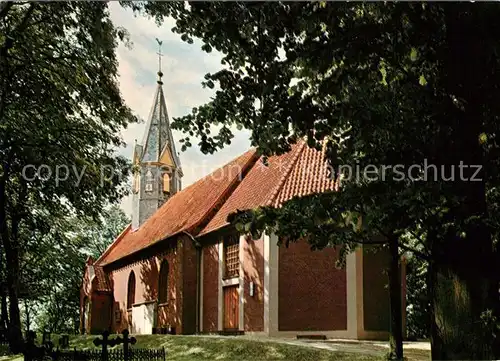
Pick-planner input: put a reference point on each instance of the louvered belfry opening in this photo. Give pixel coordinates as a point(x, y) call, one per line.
point(232, 256)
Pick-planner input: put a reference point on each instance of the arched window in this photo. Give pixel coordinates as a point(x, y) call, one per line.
point(149, 181)
point(163, 282)
point(166, 183)
point(131, 290)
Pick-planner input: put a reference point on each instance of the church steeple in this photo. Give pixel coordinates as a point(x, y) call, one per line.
point(157, 166)
point(160, 74)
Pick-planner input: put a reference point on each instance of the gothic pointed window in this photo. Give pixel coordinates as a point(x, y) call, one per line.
point(166, 183)
point(163, 282)
point(131, 290)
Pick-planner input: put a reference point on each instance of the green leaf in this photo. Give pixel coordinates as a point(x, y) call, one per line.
point(422, 81)
point(413, 54)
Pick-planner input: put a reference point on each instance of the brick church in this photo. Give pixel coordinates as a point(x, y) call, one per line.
point(179, 267)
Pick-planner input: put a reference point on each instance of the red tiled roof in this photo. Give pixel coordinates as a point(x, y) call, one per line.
point(184, 211)
point(300, 172)
point(102, 283)
point(258, 188)
point(309, 175)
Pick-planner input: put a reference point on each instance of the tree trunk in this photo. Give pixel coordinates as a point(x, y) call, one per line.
point(12, 270)
point(27, 312)
point(464, 298)
point(464, 290)
point(15, 333)
point(459, 330)
point(4, 313)
point(436, 343)
point(396, 336)
point(4, 318)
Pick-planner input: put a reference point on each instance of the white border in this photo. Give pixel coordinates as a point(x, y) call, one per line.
point(241, 288)
point(202, 271)
point(220, 304)
point(271, 284)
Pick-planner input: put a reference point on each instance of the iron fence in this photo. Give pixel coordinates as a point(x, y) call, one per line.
point(47, 352)
point(136, 354)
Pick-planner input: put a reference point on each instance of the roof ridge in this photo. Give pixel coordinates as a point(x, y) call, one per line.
point(253, 153)
point(210, 174)
point(113, 245)
point(282, 180)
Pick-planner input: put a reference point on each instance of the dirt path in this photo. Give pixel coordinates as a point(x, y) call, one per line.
point(413, 350)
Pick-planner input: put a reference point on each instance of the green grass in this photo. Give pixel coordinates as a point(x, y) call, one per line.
point(196, 348)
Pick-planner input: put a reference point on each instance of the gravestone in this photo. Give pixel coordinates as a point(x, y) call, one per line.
point(45, 337)
point(31, 351)
point(104, 342)
point(64, 341)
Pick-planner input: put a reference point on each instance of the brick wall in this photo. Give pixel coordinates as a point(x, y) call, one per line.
point(253, 268)
point(189, 276)
point(312, 292)
point(169, 313)
point(146, 276)
point(210, 286)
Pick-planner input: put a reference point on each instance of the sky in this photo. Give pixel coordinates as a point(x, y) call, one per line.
point(184, 66)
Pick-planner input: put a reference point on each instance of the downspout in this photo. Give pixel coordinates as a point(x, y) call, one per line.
point(197, 246)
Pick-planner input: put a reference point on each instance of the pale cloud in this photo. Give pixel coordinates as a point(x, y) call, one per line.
point(184, 67)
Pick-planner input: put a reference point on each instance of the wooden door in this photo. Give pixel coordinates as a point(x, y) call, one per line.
point(231, 308)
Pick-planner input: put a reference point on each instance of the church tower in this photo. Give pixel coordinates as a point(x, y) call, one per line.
point(157, 168)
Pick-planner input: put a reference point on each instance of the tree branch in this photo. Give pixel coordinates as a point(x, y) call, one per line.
point(406, 248)
point(415, 252)
point(4, 8)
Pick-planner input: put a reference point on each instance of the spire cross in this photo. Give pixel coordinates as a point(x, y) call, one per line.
point(159, 55)
point(160, 74)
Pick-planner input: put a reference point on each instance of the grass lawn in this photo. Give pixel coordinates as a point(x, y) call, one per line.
point(196, 348)
point(193, 348)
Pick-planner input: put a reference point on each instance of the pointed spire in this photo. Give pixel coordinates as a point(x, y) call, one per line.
point(160, 73)
point(157, 168)
point(158, 137)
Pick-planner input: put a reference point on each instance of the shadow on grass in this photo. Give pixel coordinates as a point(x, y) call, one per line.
point(196, 348)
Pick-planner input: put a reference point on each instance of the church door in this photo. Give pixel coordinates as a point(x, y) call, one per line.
point(231, 308)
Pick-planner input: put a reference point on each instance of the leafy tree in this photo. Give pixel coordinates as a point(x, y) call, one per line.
point(60, 305)
point(380, 84)
point(95, 237)
point(60, 114)
point(417, 296)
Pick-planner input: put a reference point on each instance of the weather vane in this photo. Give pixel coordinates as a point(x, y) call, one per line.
point(160, 74)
